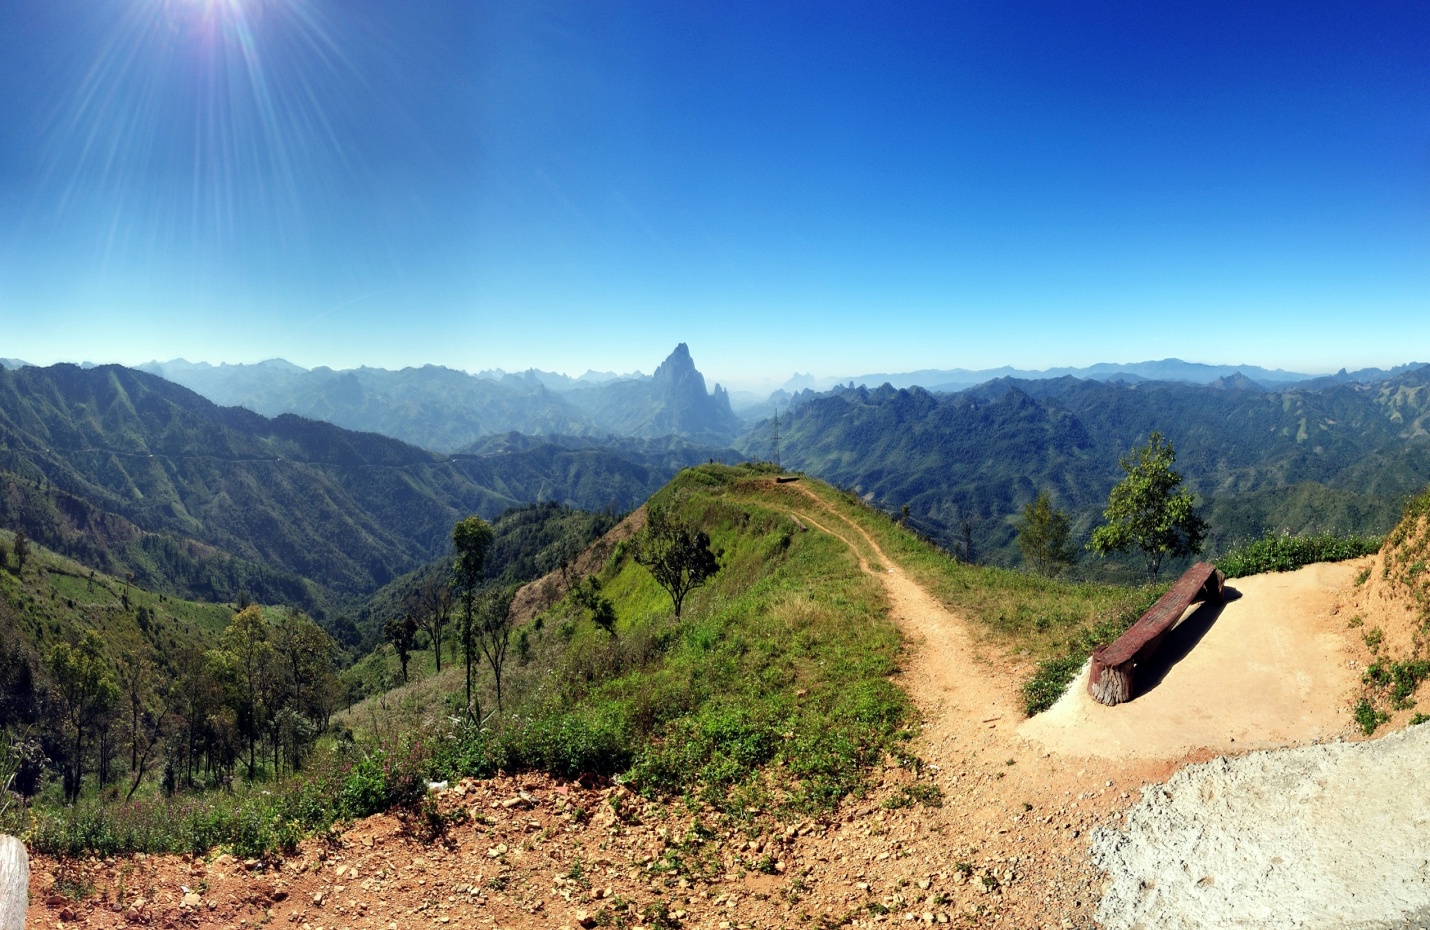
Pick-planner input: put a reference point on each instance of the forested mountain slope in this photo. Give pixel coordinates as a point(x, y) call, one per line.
point(1339, 456)
point(134, 473)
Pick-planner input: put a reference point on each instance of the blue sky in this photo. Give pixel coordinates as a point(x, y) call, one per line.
point(834, 187)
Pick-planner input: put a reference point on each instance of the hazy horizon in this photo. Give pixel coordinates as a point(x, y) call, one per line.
point(764, 385)
point(788, 187)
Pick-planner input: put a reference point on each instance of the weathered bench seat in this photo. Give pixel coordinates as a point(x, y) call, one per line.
point(1110, 681)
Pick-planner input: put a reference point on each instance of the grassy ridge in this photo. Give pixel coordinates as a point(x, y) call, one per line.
point(1053, 624)
point(771, 690)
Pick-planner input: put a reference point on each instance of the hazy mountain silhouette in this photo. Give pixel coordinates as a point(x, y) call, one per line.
point(673, 402)
point(445, 410)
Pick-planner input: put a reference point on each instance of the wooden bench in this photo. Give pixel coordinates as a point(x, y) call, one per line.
point(1110, 680)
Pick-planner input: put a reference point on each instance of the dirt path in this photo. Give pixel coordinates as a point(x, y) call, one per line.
point(1012, 810)
point(1269, 668)
point(946, 678)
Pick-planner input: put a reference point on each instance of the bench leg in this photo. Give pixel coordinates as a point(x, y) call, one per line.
point(1109, 684)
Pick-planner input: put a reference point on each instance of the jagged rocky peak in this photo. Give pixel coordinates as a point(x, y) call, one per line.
point(677, 367)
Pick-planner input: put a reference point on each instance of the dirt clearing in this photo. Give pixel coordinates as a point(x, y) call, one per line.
point(1270, 667)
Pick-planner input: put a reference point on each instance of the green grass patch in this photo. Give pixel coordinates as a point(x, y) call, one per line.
point(1400, 680)
point(1284, 552)
point(1049, 682)
point(922, 794)
point(342, 783)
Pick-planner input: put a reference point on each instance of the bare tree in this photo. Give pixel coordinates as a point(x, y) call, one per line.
point(494, 630)
point(431, 607)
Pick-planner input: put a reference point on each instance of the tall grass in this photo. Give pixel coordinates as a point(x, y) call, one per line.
point(343, 782)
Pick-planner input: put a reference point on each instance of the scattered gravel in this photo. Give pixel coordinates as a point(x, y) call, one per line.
point(1331, 837)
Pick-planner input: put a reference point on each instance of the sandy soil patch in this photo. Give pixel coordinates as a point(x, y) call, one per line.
point(1330, 837)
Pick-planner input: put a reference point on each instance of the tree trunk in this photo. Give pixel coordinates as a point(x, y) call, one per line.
point(78, 763)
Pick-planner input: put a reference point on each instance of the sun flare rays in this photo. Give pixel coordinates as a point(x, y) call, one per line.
point(221, 111)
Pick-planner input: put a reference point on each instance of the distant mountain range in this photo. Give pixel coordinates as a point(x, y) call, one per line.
point(1169, 369)
point(1328, 454)
point(445, 410)
point(131, 473)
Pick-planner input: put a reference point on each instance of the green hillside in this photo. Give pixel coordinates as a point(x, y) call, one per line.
point(130, 473)
point(773, 687)
point(55, 599)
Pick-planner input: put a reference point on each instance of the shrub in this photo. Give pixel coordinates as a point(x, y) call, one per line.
point(1285, 552)
point(1049, 682)
point(1368, 718)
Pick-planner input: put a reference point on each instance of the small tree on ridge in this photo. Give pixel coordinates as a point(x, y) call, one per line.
point(676, 553)
point(1045, 537)
point(471, 538)
point(1149, 510)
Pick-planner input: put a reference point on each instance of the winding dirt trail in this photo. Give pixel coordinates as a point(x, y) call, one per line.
point(948, 680)
point(1014, 812)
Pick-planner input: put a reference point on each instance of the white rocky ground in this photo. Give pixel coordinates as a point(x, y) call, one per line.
point(1330, 837)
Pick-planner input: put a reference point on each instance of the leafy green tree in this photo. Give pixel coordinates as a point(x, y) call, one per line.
point(1045, 537)
point(248, 656)
point(401, 632)
point(22, 550)
point(303, 685)
point(587, 596)
point(471, 538)
point(1149, 510)
point(87, 692)
point(676, 553)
